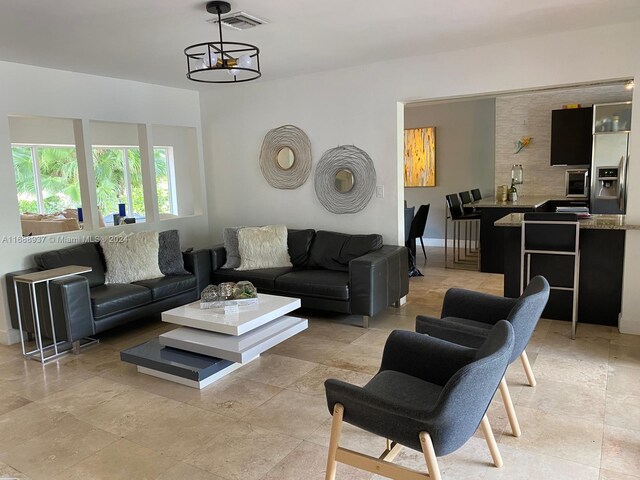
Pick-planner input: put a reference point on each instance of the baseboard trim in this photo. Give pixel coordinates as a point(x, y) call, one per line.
point(630, 328)
point(9, 338)
point(437, 242)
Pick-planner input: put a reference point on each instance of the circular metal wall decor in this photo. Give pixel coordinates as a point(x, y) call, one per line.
point(339, 192)
point(285, 157)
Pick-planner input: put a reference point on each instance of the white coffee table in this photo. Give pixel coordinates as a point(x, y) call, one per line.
point(247, 319)
point(210, 344)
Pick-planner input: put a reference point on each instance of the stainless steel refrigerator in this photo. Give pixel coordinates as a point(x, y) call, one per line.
point(610, 159)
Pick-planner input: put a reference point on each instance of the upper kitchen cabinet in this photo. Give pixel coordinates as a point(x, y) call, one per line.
point(571, 139)
point(612, 117)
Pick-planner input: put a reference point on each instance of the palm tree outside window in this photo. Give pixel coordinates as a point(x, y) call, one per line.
point(47, 179)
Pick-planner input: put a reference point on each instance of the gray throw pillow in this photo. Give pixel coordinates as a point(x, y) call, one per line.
point(169, 255)
point(230, 239)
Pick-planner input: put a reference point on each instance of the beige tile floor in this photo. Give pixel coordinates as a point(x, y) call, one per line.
point(92, 416)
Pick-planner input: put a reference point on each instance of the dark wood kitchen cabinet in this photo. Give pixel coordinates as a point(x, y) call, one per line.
point(571, 136)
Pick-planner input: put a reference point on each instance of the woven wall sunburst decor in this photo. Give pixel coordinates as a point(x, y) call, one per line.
point(285, 157)
point(345, 179)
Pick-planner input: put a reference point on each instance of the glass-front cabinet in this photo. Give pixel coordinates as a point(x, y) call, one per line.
point(612, 117)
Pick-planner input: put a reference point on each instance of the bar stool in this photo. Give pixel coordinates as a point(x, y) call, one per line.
point(467, 200)
point(475, 193)
point(465, 197)
point(549, 234)
point(456, 214)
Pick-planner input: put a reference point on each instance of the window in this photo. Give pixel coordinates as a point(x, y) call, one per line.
point(46, 178)
point(165, 186)
point(118, 175)
point(118, 180)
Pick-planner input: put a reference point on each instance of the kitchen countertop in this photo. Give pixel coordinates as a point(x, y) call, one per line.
point(525, 201)
point(594, 222)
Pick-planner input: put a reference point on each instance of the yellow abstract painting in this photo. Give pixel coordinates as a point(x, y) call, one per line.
point(420, 157)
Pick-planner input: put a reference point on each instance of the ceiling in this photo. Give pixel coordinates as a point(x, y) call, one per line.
point(144, 39)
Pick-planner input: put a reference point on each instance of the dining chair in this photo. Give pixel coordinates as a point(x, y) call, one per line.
point(417, 229)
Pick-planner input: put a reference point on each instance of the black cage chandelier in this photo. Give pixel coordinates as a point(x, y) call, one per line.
point(222, 62)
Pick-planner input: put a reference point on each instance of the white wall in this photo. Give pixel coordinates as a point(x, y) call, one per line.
point(112, 133)
point(186, 165)
point(465, 152)
point(359, 106)
point(36, 91)
point(57, 131)
point(332, 112)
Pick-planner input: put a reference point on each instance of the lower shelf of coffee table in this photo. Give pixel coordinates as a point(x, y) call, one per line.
point(239, 348)
point(196, 362)
point(188, 368)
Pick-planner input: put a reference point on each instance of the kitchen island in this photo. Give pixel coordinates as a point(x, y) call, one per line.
point(602, 240)
point(530, 202)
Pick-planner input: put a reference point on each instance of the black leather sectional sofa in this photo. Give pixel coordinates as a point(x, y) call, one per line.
point(83, 305)
point(354, 274)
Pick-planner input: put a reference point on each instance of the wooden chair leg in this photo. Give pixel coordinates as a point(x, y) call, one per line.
point(430, 456)
point(491, 442)
point(391, 452)
point(334, 441)
point(527, 368)
point(508, 405)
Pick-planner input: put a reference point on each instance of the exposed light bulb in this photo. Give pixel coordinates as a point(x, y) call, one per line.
point(233, 72)
point(214, 59)
point(629, 85)
point(245, 61)
point(200, 64)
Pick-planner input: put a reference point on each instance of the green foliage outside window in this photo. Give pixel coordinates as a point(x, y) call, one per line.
point(162, 180)
point(108, 166)
point(25, 179)
point(58, 179)
point(111, 182)
point(61, 187)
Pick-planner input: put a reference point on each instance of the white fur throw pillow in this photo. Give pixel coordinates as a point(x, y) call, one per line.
point(263, 247)
point(132, 257)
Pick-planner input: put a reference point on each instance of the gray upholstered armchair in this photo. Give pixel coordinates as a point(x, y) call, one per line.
point(468, 316)
point(429, 395)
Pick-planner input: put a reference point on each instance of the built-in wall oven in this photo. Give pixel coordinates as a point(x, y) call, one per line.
point(577, 183)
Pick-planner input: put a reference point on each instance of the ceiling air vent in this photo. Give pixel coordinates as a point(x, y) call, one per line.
point(238, 21)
